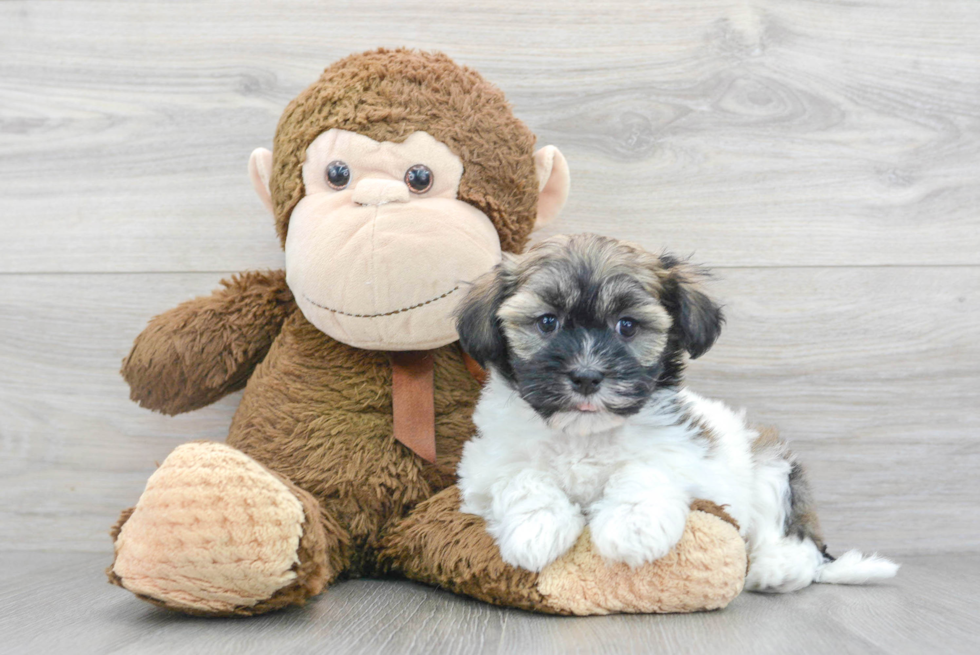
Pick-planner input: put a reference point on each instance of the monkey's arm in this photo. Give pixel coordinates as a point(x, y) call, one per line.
point(203, 349)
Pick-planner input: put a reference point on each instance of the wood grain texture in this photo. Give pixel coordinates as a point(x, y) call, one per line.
point(756, 132)
point(56, 603)
point(822, 155)
point(876, 398)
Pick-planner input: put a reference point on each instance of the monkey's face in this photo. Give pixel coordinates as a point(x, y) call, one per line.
point(379, 247)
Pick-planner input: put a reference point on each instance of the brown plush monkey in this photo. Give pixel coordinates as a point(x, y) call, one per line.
point(394, 178)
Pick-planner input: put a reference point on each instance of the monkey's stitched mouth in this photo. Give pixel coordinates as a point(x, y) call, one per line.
point(391, 313)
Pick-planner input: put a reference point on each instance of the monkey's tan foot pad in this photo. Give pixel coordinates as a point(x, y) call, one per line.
point(215, 533)
point(438, 545)
point(705, 571)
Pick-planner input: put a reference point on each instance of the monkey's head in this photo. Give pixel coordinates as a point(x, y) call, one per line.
point(396, 179)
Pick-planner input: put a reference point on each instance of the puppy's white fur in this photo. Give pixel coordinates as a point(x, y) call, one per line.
point(537, 484)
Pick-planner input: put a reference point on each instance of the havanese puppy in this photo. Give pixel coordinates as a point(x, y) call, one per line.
point(584, 420)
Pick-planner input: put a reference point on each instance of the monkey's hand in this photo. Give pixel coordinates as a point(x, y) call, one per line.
point(203, 349)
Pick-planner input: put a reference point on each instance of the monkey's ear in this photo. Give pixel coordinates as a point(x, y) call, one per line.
point(553, 183)
point(697, 318)
point(260, 171)
point(477, 325)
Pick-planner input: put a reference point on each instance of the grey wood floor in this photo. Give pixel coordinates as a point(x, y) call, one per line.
point(56, 603)
point(823, 156)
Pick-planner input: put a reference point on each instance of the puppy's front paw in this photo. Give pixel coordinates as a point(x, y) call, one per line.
point(637, 533)
point(535, 539)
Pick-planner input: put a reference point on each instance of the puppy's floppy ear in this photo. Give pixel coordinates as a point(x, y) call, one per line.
point(697, 318)
point(477, 324)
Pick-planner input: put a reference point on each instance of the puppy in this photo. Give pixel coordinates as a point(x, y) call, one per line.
point(584, 420)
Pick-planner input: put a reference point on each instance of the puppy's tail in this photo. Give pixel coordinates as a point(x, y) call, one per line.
point(854, 568)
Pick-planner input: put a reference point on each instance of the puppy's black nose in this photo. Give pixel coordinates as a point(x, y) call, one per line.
point(586, 382)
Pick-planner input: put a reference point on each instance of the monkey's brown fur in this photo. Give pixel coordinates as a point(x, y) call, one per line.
point(317, 414)
point(202, 350)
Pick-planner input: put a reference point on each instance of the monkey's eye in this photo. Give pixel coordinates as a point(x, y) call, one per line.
point(547, 323)
point(338, 175)
point(419, 178)
point(627, 327)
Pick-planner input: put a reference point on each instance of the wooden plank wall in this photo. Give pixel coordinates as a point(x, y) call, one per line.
point(821, 156)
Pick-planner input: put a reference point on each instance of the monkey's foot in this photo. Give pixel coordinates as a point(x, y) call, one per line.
point(704, 571)
point(215, 533)
point(439, 545)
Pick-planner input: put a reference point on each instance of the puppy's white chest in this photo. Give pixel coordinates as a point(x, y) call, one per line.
point(582, 470)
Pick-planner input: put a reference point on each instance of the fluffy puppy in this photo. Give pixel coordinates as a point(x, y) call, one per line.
point(584, 421)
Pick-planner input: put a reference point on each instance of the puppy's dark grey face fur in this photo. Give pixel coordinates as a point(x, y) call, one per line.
point(586, 328)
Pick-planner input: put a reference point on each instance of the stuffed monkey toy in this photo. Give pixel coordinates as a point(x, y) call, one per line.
point(393, 180)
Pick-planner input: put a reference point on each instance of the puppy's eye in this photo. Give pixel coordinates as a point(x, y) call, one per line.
point(627, 327)
point(548, 323)
point(419, 178)
point(338, 175)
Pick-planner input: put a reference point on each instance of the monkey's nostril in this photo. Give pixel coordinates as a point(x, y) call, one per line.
point(586, 382)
